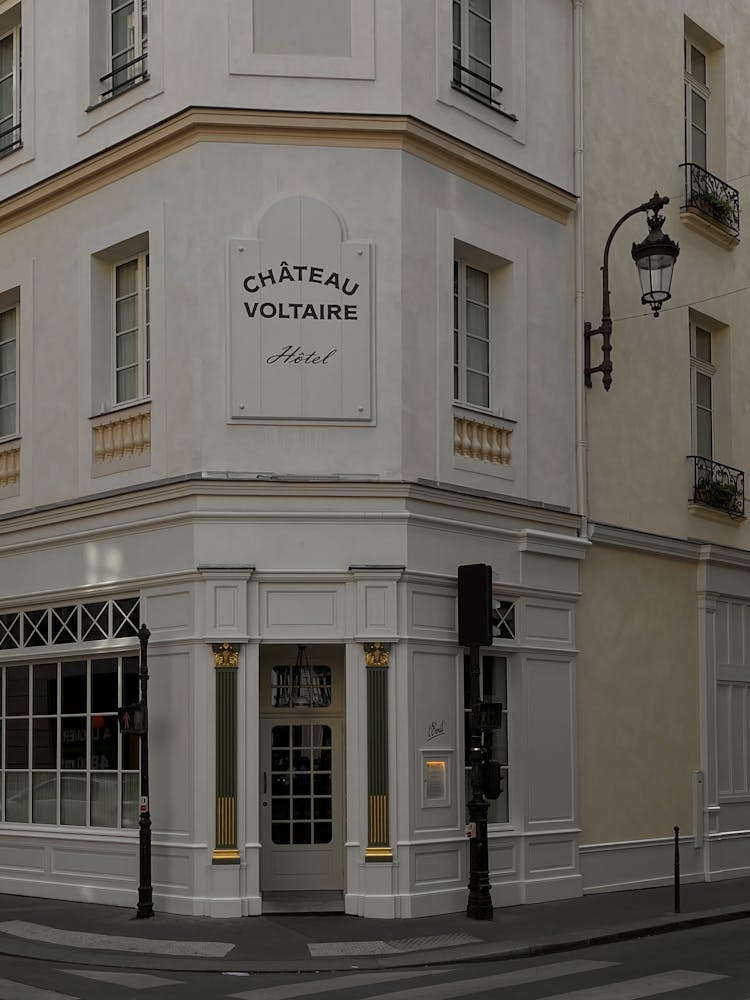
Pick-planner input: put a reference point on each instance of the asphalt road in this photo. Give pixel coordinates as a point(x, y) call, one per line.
point(707, 963)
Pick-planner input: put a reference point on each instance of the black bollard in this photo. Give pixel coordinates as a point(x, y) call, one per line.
point(677, 869)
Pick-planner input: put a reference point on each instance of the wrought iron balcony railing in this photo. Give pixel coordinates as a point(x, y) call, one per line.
point(718, 485)
point(480, 87)
point(124, 77)
point(10, 139)
point(712, 197)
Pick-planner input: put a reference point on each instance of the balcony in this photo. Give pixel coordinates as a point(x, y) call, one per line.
point(127, 75)
point(712, 202)
point(480, 87)
point(718, 486)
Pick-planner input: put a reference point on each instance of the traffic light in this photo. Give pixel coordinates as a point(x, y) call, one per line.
point(475, 605)
point(132, 719)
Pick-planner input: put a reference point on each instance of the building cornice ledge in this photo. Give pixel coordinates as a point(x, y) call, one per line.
point(198, 124)
point(618, 537)
point(722, 555)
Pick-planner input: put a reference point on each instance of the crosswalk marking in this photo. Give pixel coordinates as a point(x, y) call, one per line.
point(433, 991)
point(10, 990)
point(130, 980)
point(338, 983)
point(646, 986)
point(113, 942)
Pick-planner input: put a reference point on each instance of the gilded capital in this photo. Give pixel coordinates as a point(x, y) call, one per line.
point(226, 655)
point(377, 654)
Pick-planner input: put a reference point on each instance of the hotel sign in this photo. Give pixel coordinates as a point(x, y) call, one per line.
point(300, 318)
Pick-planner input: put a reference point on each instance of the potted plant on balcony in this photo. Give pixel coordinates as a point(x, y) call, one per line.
point(719, 494)
point(716, 206)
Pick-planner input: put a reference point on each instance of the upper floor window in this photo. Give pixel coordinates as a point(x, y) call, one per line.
point(697, 96)
point(128, 46)
point(471, 335)
point(132, 329)
point(474, 52)
point(10, 90)
point(702, 371)
point(8, 374)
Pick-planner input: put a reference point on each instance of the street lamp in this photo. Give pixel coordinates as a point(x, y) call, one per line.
point(654, 258)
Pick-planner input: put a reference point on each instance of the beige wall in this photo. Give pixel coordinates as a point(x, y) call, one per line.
point(637, 695)
point(640, 432)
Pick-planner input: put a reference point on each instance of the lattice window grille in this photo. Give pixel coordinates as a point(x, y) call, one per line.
point(504, 619)
point(92, 621)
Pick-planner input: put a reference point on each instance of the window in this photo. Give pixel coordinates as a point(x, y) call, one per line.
point(471, 335)
point(8, 374)
point(702, 373)
point(493, 687)
point(696, 105)
point(64, 761)
point(132, 329)
point(475, 50)
point(128, 46)
point(10, 91)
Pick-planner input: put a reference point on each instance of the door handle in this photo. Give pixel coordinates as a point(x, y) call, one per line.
point(265, 782)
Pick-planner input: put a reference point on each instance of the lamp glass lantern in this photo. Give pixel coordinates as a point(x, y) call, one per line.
point(655, 258)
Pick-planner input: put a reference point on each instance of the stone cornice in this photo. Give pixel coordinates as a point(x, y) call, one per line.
point(618, 537)
point(196, 125)
point(194, 497)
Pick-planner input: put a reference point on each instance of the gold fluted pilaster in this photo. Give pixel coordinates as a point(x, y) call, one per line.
point(377, 659)
point(226, 660)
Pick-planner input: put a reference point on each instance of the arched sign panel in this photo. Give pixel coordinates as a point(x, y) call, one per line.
point(300, 318)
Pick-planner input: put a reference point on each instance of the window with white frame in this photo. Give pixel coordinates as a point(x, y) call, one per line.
point(132, 329)
point(63, 759)
point(477, 44)
point(10, 90)
point(471, 335)
point(697, 95)
point(493, 688)
point(8, 373)
point(702, 372)
point(128, 46)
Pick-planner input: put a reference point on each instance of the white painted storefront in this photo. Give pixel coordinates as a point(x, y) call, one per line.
point(284, 481)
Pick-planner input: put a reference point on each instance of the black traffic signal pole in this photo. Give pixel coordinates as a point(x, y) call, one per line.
point(475, 622)
point(145, 891)
point(479, 905)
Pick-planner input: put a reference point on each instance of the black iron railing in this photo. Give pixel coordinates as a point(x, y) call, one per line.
point(718, 485)
point(712, 197)
point(10, 139)
point(124, 77)
point(480, 87)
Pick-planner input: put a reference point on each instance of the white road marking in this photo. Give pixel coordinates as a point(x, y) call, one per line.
point(433, 991)
point(341, 982)
point(646, 986)
point(10, 990)
point(113, 942)
point(130, 980)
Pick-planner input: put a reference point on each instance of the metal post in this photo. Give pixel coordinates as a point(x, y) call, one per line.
point(145, 892)
point(677, 869)
point(479, 905)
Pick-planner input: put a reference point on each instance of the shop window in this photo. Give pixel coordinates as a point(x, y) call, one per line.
point(64, 762)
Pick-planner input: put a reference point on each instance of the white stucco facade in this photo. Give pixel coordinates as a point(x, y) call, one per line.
point(273, 210)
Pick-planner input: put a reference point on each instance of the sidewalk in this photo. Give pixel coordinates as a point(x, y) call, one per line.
point(90, 934)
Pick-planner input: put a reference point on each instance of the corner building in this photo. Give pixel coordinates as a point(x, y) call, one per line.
point(286, 335)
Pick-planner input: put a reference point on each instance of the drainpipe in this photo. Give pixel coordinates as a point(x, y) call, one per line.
point(580, 390)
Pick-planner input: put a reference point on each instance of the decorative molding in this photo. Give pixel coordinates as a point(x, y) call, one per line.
point(483, 441)
point(10, 464)
point(641, 541)
point(226, 655)
point(545, 543)
point(197, 124)
point(377, 654)
point(121, 439)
